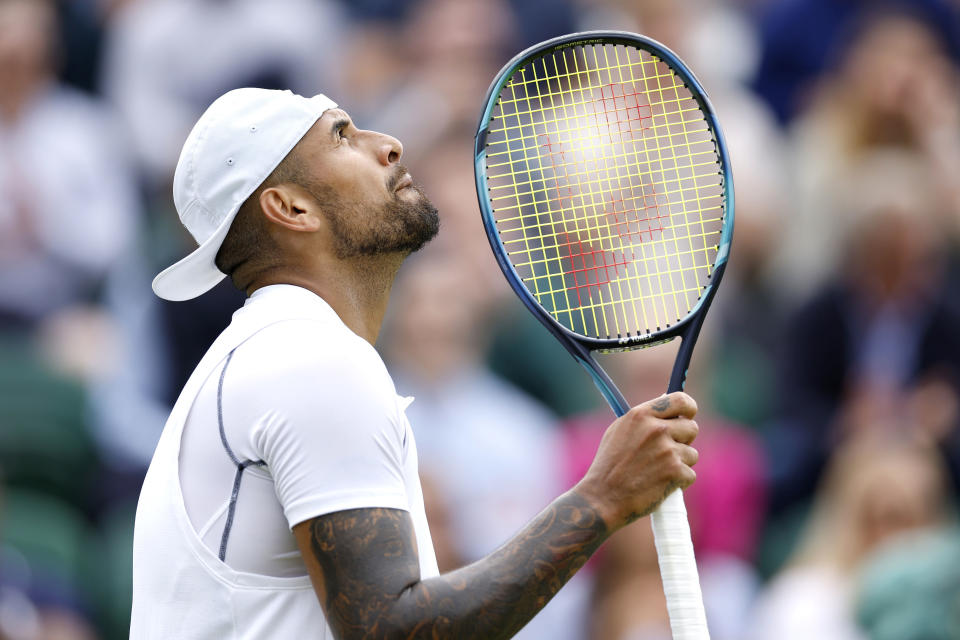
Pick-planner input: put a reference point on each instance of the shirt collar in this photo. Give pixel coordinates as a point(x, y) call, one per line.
point(291, 301)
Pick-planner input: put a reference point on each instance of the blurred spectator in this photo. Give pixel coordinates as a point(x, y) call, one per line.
point(133, 379)
point(384, 11)
point(725, 508)
point(910, 588)
point(878, 343)
point(376, 64)
point(537, 20)
point(80, 38)
point(876, 489)
point(717, 42)
point(490, 448)
point(166, 60)
point(68, 207)
point(803, 39)
point(628, 601)
point(451, 50)
point(894, 88)
point(713, 38)
point(69, 213)
point(446, 546)
point(491, 451)
point(520, 350)
point(446, 170)
point(751, 305)
point(39, 597)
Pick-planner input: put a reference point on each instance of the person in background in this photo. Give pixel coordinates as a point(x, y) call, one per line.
point(68, 202)
point(34, 603)
point(803, 39)
point(436, 78)
point(895, 88)
point(725, 509)
point(879, 339)
point(491, 451)
point(70, 211)
point(164, 62)
point(512, 341)
point(717, 42)
point(909, 589)
point(878, 488)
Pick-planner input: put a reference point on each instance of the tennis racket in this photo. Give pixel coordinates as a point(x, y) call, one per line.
point(606, 195)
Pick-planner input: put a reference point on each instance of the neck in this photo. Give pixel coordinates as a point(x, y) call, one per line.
point(358, 289)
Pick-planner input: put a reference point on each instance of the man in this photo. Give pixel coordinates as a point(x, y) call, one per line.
point(68, 204)
point(287, 472)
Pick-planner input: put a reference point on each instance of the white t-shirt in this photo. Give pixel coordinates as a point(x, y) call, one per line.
point(311, 424)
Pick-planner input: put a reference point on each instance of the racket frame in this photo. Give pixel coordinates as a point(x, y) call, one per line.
point(582, 347)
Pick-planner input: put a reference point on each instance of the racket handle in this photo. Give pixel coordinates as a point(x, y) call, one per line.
point(678, 569)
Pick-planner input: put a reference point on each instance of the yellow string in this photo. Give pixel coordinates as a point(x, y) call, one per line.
point(557, 158)
point(576, 64)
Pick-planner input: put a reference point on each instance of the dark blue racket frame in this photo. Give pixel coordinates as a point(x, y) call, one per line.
point(582, 347)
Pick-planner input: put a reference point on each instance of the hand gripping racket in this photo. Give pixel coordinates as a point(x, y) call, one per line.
point(606, 194)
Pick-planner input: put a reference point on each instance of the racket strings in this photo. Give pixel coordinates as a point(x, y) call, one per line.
point(606, 189)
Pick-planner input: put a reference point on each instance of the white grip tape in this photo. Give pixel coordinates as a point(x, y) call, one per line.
point(678, 569)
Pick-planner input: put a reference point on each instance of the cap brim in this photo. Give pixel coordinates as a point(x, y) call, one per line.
point(197, 273)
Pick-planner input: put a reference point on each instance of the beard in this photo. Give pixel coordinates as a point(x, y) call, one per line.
point(399, 226)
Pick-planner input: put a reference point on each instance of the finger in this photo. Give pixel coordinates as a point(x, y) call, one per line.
point(672, 405)
point(687, 477)
point(688, 455)
point(682, 430)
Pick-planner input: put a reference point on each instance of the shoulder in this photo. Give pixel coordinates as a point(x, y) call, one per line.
point(323, 407)
point(316, 354)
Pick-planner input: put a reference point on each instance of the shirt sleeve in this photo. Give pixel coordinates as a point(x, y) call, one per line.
point(331, 437)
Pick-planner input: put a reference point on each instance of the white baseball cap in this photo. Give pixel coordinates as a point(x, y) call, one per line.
point(238, 141)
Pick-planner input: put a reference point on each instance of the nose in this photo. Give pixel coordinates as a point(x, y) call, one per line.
point(389, 149)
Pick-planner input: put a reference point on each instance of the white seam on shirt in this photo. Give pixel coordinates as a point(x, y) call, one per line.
point(213, 520)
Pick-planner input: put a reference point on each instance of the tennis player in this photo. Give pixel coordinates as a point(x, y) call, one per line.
point(283, 499)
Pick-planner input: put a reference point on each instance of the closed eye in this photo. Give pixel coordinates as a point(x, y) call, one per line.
point(338, 128)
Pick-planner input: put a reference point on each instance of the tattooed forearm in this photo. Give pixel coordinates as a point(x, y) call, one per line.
point(371, 585)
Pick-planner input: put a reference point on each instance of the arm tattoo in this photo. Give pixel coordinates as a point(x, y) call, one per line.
point(368, 560)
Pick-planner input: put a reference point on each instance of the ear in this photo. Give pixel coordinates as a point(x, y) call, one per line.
point(291, 208)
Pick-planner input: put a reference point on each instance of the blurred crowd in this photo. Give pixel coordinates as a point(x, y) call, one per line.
point(828, 375)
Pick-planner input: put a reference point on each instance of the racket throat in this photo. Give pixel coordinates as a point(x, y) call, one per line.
point(605, 384)
point(678, 378)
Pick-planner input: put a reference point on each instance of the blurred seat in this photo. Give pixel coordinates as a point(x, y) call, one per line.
point(49, 544)
point(779, 539)
point(44, 443)
point(112, 582)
